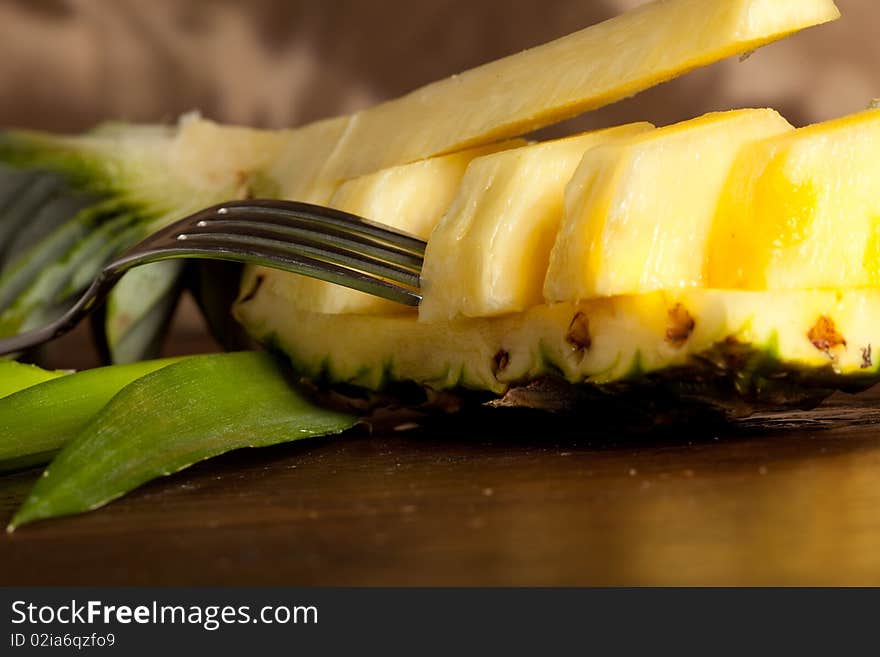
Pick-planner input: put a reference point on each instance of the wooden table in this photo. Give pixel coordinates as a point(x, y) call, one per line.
point(493, 503)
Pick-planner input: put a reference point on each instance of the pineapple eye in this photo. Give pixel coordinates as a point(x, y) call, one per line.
point(679, 325)
point(578, 335)
point(500, 361)
point(257, 284)
point(825, 336)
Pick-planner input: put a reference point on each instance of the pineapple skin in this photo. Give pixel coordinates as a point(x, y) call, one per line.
point(755, 348)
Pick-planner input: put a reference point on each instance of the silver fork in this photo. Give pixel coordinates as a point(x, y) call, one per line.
point(305, 239)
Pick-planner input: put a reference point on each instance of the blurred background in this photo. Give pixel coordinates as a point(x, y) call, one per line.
point(66, 65)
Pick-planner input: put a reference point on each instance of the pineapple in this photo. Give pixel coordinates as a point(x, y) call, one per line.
point(737, 350)
point(514, 292)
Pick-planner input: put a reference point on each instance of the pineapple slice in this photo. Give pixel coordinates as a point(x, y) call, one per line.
point(411, 197)
point(298, 168)
point(205, 155)
point(802, 210)
point(489, 254)
point(582, 71)
point(639, 211)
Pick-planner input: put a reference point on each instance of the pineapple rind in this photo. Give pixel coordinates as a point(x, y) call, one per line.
point(755, 341)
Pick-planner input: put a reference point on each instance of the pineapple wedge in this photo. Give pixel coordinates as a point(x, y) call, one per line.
point(298, 167)
point(582, 71)
point(802, 210)
point(489, 254)
point(639, 211)
point(412, 197)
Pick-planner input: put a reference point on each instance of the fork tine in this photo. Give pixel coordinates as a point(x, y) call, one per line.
point(283, 259)
point(256, 246)
point(308, 235)
point(298, 237)
point(280, 212)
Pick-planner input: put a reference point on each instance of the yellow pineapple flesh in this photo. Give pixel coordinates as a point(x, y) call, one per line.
point(489, 254)
point(411, 197)
point(802, 210)
point(639, 211)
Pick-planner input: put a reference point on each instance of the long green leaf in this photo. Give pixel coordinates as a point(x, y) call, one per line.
point(38, 420)
point(170, 419)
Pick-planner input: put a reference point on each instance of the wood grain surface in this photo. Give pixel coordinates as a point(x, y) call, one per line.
point(493, 500)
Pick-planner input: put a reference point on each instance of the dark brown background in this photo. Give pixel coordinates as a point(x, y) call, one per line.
point(478, 502)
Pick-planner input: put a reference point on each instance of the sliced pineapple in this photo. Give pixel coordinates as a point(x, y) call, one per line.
point(298, 170)
point(489, 254)
point(755, 348)
point(149, 176)
point(802, 210)
point(412, 197)
point(639, 211)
